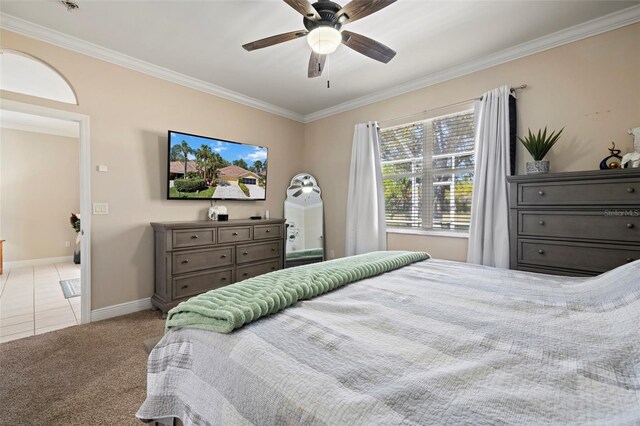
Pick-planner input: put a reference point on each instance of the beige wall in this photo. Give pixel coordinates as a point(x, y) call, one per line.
point(130, 114)
point(39, 188)
point(591, 87)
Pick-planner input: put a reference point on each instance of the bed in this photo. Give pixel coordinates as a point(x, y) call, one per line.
point(433, 342)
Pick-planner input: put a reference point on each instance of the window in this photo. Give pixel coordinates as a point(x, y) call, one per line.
point(249, 181)
point(427, 173)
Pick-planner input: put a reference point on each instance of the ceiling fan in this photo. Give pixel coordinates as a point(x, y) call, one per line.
point(323, 21)
point(305, 184)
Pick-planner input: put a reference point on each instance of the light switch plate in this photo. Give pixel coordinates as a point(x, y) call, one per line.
point(100, 208)
point(103, 168)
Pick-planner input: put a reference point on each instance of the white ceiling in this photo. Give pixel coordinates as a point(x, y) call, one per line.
point(203, 39)
point(38, 124)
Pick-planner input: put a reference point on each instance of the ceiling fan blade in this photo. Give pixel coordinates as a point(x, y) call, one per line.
point(300, 191)
point(276, 39)
point(316, 190)
point(358, 9)
point(316, 64)
point(367, 46)
point(304, 8)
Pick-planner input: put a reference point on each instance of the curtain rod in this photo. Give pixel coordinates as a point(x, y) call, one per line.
point(479, 98)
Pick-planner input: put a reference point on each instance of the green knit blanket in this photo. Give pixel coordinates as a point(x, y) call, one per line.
point(299, 254)
point(227, 308)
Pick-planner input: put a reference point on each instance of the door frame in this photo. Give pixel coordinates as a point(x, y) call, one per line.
point(85, 190)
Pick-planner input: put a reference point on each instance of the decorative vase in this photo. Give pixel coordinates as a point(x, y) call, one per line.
point(537, 167)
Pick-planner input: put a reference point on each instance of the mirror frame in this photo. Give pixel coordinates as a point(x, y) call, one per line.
point(299, 179)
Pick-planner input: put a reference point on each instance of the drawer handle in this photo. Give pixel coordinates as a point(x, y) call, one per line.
point(273, 249)
point(194, 237)
point(630, 225)
point(224, 256)
point(629, 259)
point(273, 268)
point(223, 279)
point(244, 253)
point(541, 222)
point(541, 193)
point(245, 274)
point(631, 190)
point(184, 262)
point(268, 230)
point(234, 234)
point(184, 287)
point(540, 251)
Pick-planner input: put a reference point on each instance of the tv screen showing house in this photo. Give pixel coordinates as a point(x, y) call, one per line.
point(215, 169)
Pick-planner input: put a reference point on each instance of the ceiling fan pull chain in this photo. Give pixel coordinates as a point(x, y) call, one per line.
point(328, 75)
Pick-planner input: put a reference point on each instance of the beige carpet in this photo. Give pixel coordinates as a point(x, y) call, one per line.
point(90, 374)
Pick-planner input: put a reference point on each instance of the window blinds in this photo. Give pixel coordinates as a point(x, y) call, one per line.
point(427, 170)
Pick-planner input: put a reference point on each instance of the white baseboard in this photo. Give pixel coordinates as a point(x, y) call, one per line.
point(37, 262)
point(121, 309)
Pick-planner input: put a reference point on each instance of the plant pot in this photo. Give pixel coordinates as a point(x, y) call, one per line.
point(537, 167)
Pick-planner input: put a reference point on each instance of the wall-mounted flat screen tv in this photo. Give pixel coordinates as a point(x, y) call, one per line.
point(214, 169)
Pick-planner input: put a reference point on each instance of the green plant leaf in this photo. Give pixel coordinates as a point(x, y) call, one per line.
point(539, 144)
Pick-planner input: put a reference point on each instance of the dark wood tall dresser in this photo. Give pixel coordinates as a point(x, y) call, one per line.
point(577, 224)
point(194, 257)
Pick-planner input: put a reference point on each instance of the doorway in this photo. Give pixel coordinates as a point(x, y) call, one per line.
point(53, 279)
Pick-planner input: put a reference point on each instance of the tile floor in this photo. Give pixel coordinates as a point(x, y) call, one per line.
point(32, 302)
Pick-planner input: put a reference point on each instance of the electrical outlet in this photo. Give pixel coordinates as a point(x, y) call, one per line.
point(67, 243)
point(332, 254)
point(100, 208)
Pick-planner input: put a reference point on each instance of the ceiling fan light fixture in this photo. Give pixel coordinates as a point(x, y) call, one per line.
point(324, 39)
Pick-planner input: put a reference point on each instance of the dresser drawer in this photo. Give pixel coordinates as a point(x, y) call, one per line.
point(235, 234)
point(561, 272)
point(589, 192)
point(196, 260)
point(256, 252)
point(261, 232)
point(190, 285)
point(586, 225)
point(249, 271)
point(193, 238)
point(573, 255)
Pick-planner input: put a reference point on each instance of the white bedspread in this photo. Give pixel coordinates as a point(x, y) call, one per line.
point(435, 342)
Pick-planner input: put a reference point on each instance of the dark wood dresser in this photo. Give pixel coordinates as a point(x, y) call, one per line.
point(578, 223)
point(194, 257)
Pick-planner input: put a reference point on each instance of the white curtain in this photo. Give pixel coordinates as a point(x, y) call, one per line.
point(489, 233)
point(366, 228)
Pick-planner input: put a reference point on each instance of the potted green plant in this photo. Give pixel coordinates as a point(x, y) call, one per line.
point(538, 146)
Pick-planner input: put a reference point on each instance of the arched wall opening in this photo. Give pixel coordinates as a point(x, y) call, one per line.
point(26, 74)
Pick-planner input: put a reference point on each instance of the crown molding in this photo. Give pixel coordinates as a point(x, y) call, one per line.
point(57, 38)
point(624, 17)
point(587, 29)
